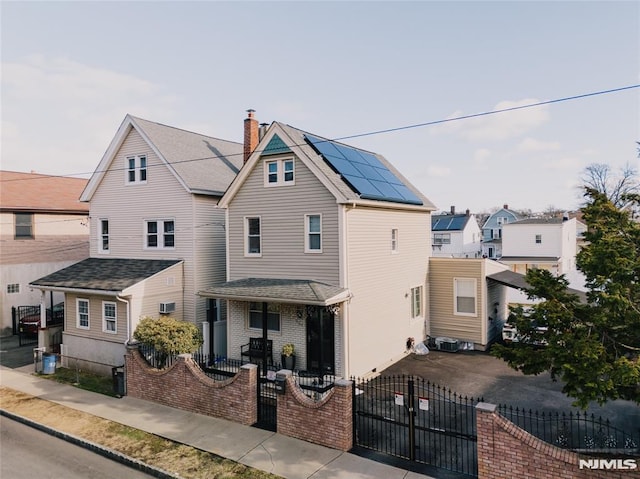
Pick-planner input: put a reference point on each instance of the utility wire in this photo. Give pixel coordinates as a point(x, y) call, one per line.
point(380, 132)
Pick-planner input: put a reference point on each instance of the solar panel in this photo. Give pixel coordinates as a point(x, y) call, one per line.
point(364, 172)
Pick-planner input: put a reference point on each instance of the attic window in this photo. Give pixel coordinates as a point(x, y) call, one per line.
point(136, 169)
point(279, 172)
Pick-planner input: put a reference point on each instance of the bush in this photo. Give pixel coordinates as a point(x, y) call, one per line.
point(168, 336)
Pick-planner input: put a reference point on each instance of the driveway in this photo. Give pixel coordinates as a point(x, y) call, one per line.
point(477, 374)
point(12, 355)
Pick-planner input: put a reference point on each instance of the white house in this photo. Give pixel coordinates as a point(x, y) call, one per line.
point(456, 235)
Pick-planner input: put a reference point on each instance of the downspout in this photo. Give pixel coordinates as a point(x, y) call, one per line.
point(126, 301)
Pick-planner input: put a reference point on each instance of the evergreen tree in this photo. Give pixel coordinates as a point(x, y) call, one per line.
point(592, 347)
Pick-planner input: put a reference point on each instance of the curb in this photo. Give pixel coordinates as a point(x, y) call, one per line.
point(92, 446)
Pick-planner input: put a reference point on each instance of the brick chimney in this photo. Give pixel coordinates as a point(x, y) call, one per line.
point(453, 210)
point(251, 129)
point(505, 206)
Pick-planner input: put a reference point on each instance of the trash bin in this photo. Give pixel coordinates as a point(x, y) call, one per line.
point(48, 363)
point(118, 380)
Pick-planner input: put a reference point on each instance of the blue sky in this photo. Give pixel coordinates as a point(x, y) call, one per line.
point(71, 71)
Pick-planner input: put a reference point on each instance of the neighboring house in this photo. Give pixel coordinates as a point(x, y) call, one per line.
point(465, 304)
point(43, 227)
point(456, 235)
point(544, 243)
point(492, 231)
point(541, 243)
point(326, 250)
point(157, 237)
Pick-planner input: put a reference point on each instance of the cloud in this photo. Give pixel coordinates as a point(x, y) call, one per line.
point(563, 163)
point(480, 157)
point(81, 103)
point(497, 126)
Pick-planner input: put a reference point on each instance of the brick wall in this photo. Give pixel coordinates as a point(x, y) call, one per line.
point(505, 450)
point(328, 422)
point(185, 386)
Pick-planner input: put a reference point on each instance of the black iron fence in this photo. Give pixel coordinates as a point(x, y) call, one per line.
point(578, 431)
point(410, 418)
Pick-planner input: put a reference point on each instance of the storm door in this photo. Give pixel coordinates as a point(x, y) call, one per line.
point(320, 340)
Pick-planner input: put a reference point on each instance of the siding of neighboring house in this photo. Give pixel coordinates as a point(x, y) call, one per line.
point(282, 210)
point(95, 318)
point(486, 324)
point(380, 281)
point(128, 206)
point(60, 236)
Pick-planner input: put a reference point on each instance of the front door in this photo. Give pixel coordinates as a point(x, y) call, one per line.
point(320, 340)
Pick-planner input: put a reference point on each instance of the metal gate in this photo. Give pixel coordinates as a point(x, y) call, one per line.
point(409, 418)
point(267, 399)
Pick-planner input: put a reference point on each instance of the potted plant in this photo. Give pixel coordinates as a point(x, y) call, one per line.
point(288, 356)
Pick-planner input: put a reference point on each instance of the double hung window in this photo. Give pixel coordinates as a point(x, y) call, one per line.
point(160, 234)
point(136, 169)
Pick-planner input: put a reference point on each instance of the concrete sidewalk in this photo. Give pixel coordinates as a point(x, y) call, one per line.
point(285, 456)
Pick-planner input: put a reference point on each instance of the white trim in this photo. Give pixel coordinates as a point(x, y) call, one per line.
point(308, 233)
point(280, 171)
point(78, 325)
point(475, 297)
point(248, 316)
point(105, 321)
point(101, 236)
point(137, 169)
point(248, 254)
point(395, 241)
point(420, 297)
point(160, 233)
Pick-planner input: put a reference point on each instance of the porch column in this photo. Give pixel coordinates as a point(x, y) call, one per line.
point(43, 309)
point(265, 333)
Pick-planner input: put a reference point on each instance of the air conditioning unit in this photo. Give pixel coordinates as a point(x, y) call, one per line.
point(447, 344)
point(166, 308)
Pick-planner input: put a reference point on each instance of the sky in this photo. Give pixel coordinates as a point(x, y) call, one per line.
point(71, 71)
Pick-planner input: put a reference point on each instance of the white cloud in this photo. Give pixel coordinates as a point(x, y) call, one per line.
point(480, 157)
point(498, 126)
point(77, 102)
point(562, 163)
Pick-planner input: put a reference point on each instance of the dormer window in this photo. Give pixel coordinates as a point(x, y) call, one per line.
point(279, 172)
point(136, 169)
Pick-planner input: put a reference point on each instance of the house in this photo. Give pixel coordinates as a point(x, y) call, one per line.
point(156, 238)
point(43, 227)
point(455, 235)
point(541, 243)
point(492, 231)
point(326, 251)
point(465, 303)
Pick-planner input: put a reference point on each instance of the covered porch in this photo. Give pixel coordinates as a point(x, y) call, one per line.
point(266, 316)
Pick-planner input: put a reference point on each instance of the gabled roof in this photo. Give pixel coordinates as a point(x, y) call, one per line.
point(296, 291)
point(498, 213)
point(299, 142)
point(449, 222)
point(33, 192)
point(103, 274)
point(537, 221)
point(202, 164)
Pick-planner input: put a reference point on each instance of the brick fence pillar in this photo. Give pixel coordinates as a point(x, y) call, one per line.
point(486, 445)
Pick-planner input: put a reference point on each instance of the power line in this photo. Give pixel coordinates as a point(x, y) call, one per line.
point(379, 132)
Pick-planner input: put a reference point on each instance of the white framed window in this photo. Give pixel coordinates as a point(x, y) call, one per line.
point(23, 225)
point(538, 239)
point(441, 238)
point(416, 302)
point(82, 313)
point(464, 296)
point(136, 169)
point(253, 236)
point(313, 233)
point(273, 316)
point(503, 220)
point(160, 234)
point(109, 317)
point(279, 172)
point(496, 233)
point(13, 288)
point(103, 236)
point(394, 240)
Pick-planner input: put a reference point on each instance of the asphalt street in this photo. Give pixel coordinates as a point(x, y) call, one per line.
point(27, 453)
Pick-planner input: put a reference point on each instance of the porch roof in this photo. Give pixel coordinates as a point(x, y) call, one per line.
point(519, 281)
point(277, 290)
